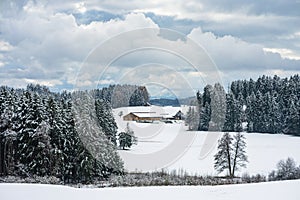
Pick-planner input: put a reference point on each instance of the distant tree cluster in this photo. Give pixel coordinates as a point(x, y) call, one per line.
point(46, 134)
point(123, 95)
point(268, 105)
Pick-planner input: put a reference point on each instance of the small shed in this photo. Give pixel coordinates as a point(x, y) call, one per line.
point(179, 115)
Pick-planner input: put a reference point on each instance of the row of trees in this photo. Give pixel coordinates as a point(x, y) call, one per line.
point(268, 105)
point(69, 136)
point(123, 95)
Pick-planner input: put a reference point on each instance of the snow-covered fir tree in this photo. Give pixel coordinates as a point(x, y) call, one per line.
point(127, 138)
point(106, 120)
point(218, 108)
point(139, 97)
point(192, 119)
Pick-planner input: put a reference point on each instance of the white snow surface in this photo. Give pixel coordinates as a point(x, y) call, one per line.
point(172, 147)
point(160, 140)
point(271, 190)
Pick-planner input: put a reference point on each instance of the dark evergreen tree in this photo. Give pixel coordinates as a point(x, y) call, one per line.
point(229, 117)
point(275, 115)
point(127, 138)
point(238, 115)
point(206, 97)
point(106, 120)
point(139, 97)
point(251, 114)
point(258, 123)
point(205, 113)
point(292, 122)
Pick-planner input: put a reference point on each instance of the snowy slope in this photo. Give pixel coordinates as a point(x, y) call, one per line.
point(272, 190)
point(170, 146)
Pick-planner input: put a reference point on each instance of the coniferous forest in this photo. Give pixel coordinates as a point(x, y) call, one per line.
point(267, 105)
point(71, 136)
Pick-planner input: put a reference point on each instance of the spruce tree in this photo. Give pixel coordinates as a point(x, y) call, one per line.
point(106, 120)
point(229, 117)
point(127, 138)
point(292, 122)
point(218, 108)
point(205, 116)
point(251, 113)
point(237, 115)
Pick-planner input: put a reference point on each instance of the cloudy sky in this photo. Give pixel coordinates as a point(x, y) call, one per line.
point(55, 42)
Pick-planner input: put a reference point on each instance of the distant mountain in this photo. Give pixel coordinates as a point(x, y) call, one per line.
point(164, 102)
point(173, 102)
point(190, 101)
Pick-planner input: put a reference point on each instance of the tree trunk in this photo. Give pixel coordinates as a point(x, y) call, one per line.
point(235, 155)
point(228, 158)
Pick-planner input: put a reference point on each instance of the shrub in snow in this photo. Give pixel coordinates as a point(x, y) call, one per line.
point(286, 170)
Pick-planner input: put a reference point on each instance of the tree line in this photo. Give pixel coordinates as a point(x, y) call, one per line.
point(123, 95)
point(267, 105)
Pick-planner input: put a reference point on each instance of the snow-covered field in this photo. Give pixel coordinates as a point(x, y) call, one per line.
point(271, 190)
point(171, 147)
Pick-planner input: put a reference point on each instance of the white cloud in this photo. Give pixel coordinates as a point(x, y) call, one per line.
point(230, 53)
point(80, 7)
point(105, 82)
point(52, 45)
point(285, 53)
point(5, 46)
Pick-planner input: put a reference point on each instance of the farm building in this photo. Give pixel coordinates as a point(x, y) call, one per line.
point(142, 116)
point(152, 116)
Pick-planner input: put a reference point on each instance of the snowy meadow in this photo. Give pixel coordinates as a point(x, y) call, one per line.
point(272, 190)
point(263, 150)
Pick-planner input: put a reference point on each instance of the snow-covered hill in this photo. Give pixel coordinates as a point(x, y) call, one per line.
point(170, 146)
point(271, 190)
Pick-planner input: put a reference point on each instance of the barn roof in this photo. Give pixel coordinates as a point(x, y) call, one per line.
point(146, 114)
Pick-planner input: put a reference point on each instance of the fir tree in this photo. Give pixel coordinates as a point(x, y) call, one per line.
point(229, 116)
point(292, 122)
point(251, 112)
point(139, 97)
point(218, 108)
point(205, 115)
point(127, 138)
point(106, 120)
point(192, 119)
